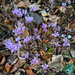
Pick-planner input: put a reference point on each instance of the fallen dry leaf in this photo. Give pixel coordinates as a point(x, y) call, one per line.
point(17, 65)
point(49, 32)
point(56, 62)
point(3, 60)
point(29, 70)
point(56, 11)
point(72, 25)
point(7, 67)
point(1, 68)
point(72, 61)
point(36, 66)
point(7, 22)
point(40, 30)
point(12, 28)
point(46, 55)
point(45, 41)
point(22, 4)
point(26, 32)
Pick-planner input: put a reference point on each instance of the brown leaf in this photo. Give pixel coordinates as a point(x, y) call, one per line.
point(17, 65)
point(72, 25)
point(1, 68)
point(46, 55)
point(56, 12)
point(12, 28)
point(3, 60)
point(22, 4)
point(7, 67)
point(45, 41)
point(7, 22)
point(26, 32)
point(72, 61)
point(40, 30)
point(29, 70)
point(36, 66)
point(49, 32)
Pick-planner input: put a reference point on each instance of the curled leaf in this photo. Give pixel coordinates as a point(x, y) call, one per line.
point(3, 60)
point(29, 70)
point(46, 55)
point(45, 41)
point(7, 22)
point(26, 32)
point(7, 67)
point(22, 4)
point(72, 25)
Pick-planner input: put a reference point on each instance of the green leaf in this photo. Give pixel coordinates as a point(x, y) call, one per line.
point(69, 68)
point(25, 65)
point(44, 46)
point(68, 49)
point(65, 53)
point(39, 71)
point(21, 49)
point(51, 50)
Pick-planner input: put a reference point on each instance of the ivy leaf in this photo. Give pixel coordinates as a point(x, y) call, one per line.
point(44, 46)
point(51, 50)
point(69, 68)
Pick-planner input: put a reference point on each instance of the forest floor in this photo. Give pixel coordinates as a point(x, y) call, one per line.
point(37, 37)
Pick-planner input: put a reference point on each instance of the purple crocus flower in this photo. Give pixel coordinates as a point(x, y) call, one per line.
point(33, 8)
point(69, 29)
point(45, 66)
point(63, 4)
point(28, 19)
point(38, 37)
point(34, 61)
point(65, 39)
point(27, 39)
point(44, 26)
point(26, 56)
point(37, 55)
point(53, 24)
point(59, 28)
point(24, 11)
point(19, 45)
point(66, 43)
point(15, 10)
point(35, 30)
point(55, 34)
point(19, 23)
point(69, 2)
point(45, 30)
point(18, 38)
point(57, 44)
point(19, 30)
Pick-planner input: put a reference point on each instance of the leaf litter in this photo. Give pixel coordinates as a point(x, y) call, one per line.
point(38, 35)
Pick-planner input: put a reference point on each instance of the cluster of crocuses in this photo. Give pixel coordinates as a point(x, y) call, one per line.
point(13, 46)
point(22, 12)
point(20, 30)
point(64, 4)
